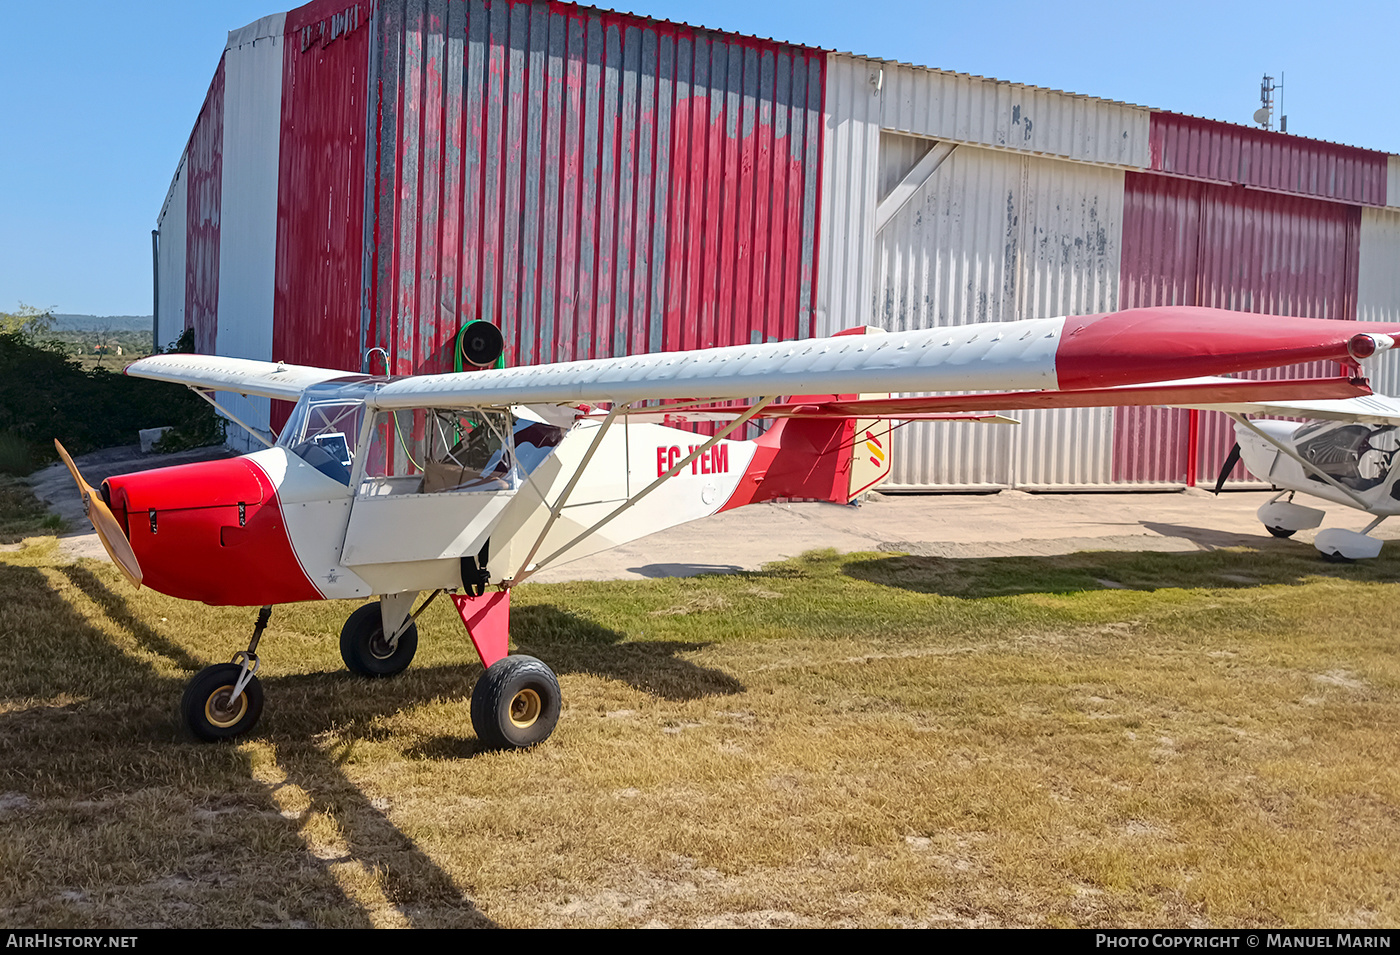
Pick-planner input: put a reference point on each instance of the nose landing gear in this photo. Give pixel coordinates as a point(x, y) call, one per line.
point(226, 699)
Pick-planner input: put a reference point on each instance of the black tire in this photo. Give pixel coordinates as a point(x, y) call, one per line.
point(364, 649)
point(205, 706)
point(1336, 557)
point(1281, 532)
point(515, 703)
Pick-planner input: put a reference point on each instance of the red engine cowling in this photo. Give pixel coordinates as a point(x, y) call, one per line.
point(211, 532)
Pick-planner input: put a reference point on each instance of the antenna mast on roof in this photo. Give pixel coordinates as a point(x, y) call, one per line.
point(1264, 115)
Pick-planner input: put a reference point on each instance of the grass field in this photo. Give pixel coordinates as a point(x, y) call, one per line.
point(21, 513)
point(1205, 739)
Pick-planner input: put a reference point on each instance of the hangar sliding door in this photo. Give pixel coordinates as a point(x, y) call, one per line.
point(1187, 242)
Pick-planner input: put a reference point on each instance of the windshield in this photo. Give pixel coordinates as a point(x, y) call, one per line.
point(322, 432)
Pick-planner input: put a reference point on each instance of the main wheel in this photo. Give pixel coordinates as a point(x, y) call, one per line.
point(208, 706)
point(366, 652)
point(1280, 531)
point(515, 703)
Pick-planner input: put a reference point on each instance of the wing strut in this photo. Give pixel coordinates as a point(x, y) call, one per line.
point(231, 416)
point(1307, 465)
point(557, 507)
point(679, 466)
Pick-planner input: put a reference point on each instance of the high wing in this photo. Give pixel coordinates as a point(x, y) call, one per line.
point(267, 379)
point(1048, 358)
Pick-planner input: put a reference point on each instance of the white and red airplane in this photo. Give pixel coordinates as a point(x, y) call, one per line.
point(1346, 454)
point(468, 483)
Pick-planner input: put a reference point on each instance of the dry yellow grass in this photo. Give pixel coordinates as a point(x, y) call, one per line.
point(1102, 739)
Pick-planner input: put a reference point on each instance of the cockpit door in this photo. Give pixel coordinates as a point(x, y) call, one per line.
point(431, 486)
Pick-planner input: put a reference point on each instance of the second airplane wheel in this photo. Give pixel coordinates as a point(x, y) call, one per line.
point(515, 703)
point(1280, 531)
point(366, 652)
point(210, 709)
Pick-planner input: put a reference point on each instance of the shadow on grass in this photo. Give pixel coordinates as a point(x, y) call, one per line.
point(573, 644)
point(119, 613)
point(1274, 563)
point(120, 820)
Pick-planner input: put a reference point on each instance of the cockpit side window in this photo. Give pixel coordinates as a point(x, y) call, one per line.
point(432, 450)
point(469, 451)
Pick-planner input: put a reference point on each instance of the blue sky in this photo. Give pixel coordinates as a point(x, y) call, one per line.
point(97, 99)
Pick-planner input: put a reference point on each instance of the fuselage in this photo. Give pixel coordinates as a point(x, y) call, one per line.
point(1358, 457)
point(353, 502)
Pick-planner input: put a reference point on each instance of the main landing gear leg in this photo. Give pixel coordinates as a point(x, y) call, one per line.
point(226, 699)
point(516, 702)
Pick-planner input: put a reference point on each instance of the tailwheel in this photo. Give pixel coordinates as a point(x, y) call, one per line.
point(365, 650)
point(515, 703)
point(211, 709)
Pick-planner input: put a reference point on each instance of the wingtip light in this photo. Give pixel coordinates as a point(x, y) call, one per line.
point(1364, 345)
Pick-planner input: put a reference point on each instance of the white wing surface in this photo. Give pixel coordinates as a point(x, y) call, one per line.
point(268, 379)
point(1018, 355)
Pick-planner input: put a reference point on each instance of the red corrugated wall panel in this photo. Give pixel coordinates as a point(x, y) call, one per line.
point(205, 178)
point(1195, 243)
point(321, 188)
point(597, 183)
point(1205, 149)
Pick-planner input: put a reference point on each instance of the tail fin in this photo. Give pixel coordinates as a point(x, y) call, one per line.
point(819, 458)
point(822, 458)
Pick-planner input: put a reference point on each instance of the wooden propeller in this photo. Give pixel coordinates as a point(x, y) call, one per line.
point(109, 531)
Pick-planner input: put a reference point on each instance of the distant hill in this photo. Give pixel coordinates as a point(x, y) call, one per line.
point(102, 323)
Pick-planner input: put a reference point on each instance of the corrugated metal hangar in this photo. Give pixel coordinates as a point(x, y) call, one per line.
point(374, 173)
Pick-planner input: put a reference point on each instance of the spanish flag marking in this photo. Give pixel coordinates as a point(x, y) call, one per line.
point(876, 449)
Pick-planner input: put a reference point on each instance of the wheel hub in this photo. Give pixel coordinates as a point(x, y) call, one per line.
point(379, 648)
point(221, 710)
point(525, 708)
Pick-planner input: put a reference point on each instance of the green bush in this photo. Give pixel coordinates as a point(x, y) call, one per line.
point(44, 396)
point(15, 456)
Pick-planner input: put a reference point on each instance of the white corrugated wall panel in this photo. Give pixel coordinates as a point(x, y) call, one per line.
point(170, 259)
point(248, 223)
point(1378, 285)
point(1070, 259)
point(993, 236)
point(1392, 182)
point(850, 174)
point(949, 257)
point(971, 109)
